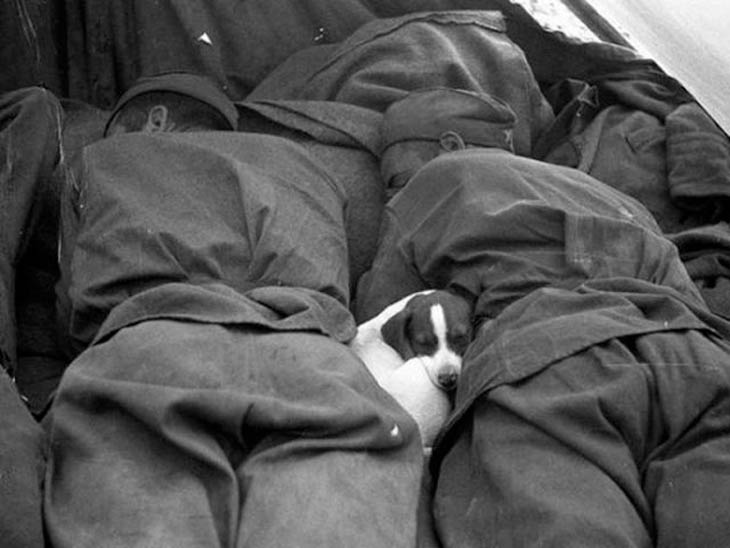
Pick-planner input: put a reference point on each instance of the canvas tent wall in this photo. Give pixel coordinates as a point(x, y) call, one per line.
point(92, 50)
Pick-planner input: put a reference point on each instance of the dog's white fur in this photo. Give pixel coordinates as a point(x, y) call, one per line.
point(445, 360)
point(428, 404)
point(413, 383)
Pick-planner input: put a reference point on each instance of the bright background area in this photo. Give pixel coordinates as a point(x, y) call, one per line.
point(689, 39)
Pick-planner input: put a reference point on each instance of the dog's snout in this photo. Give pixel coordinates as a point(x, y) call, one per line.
point(447, 377)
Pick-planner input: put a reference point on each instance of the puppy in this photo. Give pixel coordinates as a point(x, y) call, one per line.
point(433, 325)
point(414, 349)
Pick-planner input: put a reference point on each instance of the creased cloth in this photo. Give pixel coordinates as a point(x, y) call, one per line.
point(640, 132)
point(598, 377)
point(385, 59)
point(698, 161)
point(31, 120)
point(634, 418)
point(223, 419)
point(241, 209)
point(705, 251)
point(328, 122)
point(211, 397)
point(344, 139)
point(498, 226)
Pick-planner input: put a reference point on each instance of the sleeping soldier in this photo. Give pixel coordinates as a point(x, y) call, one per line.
point(212, 401)
point(593, 407)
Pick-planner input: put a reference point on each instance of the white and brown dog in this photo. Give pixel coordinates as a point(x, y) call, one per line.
point(414, 349)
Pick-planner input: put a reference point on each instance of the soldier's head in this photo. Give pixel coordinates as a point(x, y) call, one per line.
point(173, 101)
point(434, 121)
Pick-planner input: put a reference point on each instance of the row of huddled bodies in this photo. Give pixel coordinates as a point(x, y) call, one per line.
point(214, 256)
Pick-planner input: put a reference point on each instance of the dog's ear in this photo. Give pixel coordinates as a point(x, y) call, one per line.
point(395, 333)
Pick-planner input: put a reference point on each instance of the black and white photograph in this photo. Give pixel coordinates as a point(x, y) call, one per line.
point(364, 274)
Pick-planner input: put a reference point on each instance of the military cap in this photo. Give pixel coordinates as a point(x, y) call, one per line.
point(441, 116)
point(425, 115)
point(193, 85)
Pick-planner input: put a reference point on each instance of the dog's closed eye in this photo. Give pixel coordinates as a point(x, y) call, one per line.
point(459, 340)
point(424, 343)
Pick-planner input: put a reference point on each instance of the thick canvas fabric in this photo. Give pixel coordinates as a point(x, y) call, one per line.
point(705, 252)
point(618, 402)
point(31, 156)
point(210, 429)
point(22, 467)
point(30, 153)
point(640, 132)
point(345, 140)
point(648, 139)
point(386, 59)
point(497, 226)
point(247, 210)
point(621, 443)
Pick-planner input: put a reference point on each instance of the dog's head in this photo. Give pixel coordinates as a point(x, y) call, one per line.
point(435, 327)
